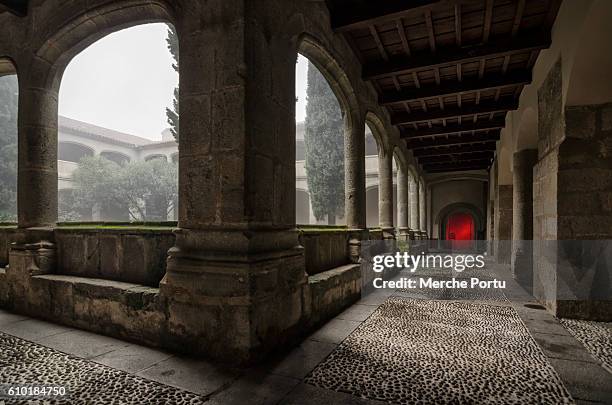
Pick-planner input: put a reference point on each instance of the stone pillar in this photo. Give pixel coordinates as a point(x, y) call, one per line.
point(385, 192)
point(413, 197)
point(37, 151)
point(503, 223)
point(422, 210)
point(572, 210)
point(522, 216)
point(354, 172)
point(235, 285)
point(402, 203)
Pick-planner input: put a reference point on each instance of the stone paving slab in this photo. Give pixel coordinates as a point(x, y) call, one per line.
point(442, 352)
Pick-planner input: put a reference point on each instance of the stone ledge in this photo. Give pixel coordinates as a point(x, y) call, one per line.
point(332, 291)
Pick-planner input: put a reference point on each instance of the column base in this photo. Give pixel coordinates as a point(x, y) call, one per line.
point(234, 307)
point(388, 233)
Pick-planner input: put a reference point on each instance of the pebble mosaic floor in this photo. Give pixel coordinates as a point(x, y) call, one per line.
point(596, 338)
point(86, 382)
point(481, 354)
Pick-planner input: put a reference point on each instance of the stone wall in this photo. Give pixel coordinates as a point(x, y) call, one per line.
point(132, 255)
point(324, 249)
point(6, 237)
point(503, 223)
point(572, 202)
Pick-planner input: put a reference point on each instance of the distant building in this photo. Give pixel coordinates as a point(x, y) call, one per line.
point(79, 139)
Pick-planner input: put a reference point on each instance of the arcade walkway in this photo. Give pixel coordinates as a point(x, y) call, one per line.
point(397, 347)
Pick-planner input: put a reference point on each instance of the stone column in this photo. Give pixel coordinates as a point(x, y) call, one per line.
point(522, 216)
point(385, 192)
point(355, 172)
point(503, 223)
point(37, 151)
point(402, 202)
point(235, 285)
point(422, 210)
point(33, 252)
point(413, 197)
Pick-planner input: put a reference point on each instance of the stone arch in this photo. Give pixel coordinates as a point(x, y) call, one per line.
point(337, 79)
point(155, 156)
point(94, 24)
point(7, 66)
point(117, 157)
point(454, 208)
point(589, 74)
point(378, 131)
point(527, 134)
point(73, 151)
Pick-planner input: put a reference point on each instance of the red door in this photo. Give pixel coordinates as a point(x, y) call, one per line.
point(460, 227)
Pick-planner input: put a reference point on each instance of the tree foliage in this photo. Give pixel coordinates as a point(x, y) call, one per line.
point(324, 142)
point(8, 147)
point(172, 114)
point(146, 190)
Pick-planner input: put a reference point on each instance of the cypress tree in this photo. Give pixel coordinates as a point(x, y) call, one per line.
point(8, 147)
point(324, 142)
point(172, 114)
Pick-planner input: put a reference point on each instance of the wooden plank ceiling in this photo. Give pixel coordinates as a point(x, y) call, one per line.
point(447, 71)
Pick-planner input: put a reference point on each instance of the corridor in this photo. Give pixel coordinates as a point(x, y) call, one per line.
point(395, 347)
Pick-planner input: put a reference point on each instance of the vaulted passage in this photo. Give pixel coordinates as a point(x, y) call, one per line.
point(300, 202)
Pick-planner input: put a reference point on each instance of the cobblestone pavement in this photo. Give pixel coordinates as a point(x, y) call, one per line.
point(595, 336)
point(24, 363)
point(442, 352)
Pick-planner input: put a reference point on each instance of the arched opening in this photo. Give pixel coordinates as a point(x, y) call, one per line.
point(302, 207)
point(73, 152)
point(120, 95)
point(156, 156)
point(320, 131)
point(459, 229)
point(117, 157)
point(460, 223)
point(9, 96)
point(372, 206)
point(373, 145)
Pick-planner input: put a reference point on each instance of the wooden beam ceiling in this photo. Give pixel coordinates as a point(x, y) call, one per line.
point(497, 81)
point(362, 14)
point(457, 157)
point(469, 126)
point(503, 47)
point(455, 149)
point(453, 112)
point(456, 140)
point(447, 71)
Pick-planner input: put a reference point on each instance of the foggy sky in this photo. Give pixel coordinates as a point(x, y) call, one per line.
point(125, 81)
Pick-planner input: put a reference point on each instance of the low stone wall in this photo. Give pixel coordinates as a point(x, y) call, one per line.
point(6, 238)
point(332, 291)
point(131, 255)
point(325, 249)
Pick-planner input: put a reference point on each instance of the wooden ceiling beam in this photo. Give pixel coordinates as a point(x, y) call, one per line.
point(360, 15)
point(457, 140)
point(455, 88)
point(453, 112)
point(457, 169)
point(449, 129)
point(442, 58)
point(457, 157)
point(484, 163)
point(456, 149)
